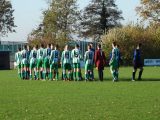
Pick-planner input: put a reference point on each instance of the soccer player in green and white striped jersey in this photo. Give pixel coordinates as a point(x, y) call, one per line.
point(33, 61)
point(46, 62)
point(24, 62)
point(66, 63)
point(40, 58)
point(114, 62)
point(54, 59)
point(76, 59)
point(18, 59)
point(89, 62)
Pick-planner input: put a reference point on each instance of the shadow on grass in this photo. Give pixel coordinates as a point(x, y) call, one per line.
point(150, 79)
point(143, 79)
point(129, 79)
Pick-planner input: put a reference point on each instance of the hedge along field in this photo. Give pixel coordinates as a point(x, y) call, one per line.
point(51, 100)
point(129, 36)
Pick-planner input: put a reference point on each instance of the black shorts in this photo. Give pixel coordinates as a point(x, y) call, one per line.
point(137, 64)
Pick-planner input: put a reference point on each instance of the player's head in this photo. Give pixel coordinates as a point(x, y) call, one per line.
point(36, 47)
point(56, 47)
point(89, 47)
point(99, 46)
point(25, 47)
point(114, 44)
point(139, 45)
point(66, 47)
point(52, 46)
point(42, 46)
point(77, 46)
point(48, 45)
point(28, 47)
point(91, 44)
point(19, 49)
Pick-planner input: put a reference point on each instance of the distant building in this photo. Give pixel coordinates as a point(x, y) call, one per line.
point(7, 53)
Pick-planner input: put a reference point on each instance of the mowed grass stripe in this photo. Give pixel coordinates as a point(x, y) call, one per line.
point(38, 100)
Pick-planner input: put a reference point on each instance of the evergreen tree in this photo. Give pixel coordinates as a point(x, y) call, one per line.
point(99, 16)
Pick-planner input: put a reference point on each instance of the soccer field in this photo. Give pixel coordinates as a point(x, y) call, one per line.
point(51, 100)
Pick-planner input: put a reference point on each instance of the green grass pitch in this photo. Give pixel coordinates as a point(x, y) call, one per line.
point(38, 100)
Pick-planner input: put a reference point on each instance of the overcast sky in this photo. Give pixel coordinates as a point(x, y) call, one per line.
point(28, 15)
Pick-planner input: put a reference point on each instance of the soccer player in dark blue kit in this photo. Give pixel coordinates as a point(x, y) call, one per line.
point(28, 61)
point(93, 50)
point(137, 62)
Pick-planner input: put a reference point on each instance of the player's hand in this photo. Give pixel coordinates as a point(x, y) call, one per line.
point(97, 68)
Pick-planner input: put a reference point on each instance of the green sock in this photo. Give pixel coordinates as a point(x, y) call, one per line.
point(117, 75)
point(90, 75)
point(57, 76)
point(19, 74)
point(47, 75)
point(22, 75)
point(74, 75)
point(64, 76)
point(79, 75)
point(25, 75)
point(50, 75)
point(44, 75)
point(86, 76)
point(30, 76)
point(114, 75)
point(37, 75)
point(70, 76)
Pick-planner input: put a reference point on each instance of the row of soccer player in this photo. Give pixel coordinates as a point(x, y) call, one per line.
point(43, 63)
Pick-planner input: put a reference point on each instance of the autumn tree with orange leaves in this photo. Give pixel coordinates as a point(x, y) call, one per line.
point(149, 10)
